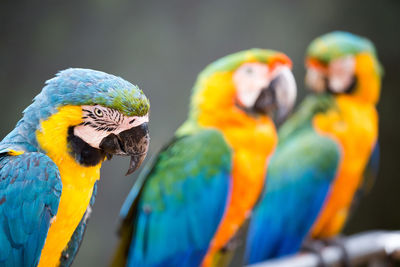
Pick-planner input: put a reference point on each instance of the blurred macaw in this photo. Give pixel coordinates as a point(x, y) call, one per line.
point(323, 149)
point(50, 162)
point(202, 186)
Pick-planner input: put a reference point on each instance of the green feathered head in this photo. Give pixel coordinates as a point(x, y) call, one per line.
point(338, 44)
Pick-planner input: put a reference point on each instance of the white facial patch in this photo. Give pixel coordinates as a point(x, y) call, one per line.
point(99, 122)
point(341, 72)
point(249, 80)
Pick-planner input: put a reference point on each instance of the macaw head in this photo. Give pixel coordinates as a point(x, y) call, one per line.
point(89, 115)
point(344, 63)
point(251, 84)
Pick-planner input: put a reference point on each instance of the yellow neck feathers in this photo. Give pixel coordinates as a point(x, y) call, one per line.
point(77, 180)
point(52, 138)
point(217, 109)
point(368, 78)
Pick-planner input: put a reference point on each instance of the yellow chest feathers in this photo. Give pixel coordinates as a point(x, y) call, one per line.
point(355, 127)
point(77, 181)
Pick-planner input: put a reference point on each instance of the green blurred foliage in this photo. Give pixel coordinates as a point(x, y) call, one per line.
point(161, 46)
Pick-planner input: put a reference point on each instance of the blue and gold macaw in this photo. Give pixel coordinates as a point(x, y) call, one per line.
point(50, 163)
point(323, 149)
point(189, 205)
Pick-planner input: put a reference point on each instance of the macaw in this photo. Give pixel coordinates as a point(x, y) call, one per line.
point(323, 150)
point(50, 163)
point(202, 186)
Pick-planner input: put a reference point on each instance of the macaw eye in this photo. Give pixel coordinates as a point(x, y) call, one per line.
point(249, 79)
point(98, 112)
point(248, 70)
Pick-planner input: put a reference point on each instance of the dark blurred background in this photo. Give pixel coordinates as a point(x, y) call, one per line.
point(161, 46)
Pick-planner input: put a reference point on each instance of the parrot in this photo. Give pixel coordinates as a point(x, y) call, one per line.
point(50, 162)
point(324, 150)
point(190, 202)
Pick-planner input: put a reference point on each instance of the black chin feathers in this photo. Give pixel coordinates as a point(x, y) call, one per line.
point(82, 151)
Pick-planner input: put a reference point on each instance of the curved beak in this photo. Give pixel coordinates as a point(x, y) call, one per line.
point(133, 142)
point(278, 98)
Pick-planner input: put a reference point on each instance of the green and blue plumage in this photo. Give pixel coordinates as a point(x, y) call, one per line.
point(305, 164)
point(299, 177)
point(30, 184)
point(170, 200)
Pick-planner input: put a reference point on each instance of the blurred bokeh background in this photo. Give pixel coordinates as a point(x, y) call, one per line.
point(161, 46)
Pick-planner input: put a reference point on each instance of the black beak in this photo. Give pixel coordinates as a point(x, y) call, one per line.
point(133, 142)
point(277, 100)
point(266, 100)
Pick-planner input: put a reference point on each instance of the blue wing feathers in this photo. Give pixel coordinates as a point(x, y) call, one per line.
point(179, 227)
point(372, 168)
point(298, 181)
point(30, 187)
point(175, 213)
